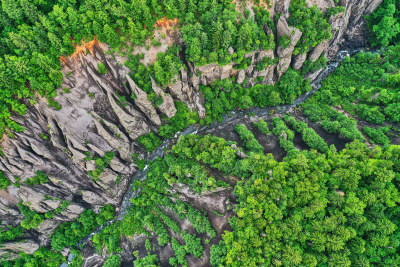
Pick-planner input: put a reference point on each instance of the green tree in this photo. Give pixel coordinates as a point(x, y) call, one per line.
point(384, 24)
point(245, 37)
point(291, 256)
point(4, 181)
point(113, 261)
point(217, 32)
point(148, 261)
point(195, 50)
point(110, 36)
point(101, 68)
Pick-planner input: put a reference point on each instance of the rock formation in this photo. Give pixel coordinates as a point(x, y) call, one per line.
point(94, 119)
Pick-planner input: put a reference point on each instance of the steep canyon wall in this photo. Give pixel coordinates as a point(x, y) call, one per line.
point(93, 119)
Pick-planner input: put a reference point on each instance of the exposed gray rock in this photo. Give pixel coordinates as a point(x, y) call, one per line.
point(28, 195)
point(48, 226)
point(8, 256)
point(270, 76)
point(93, 198)
point(28, 156)
point(265, 53)
point(349, 29)
point(71, 213)
point(195, 80)
point(318, 50)
point(199, 105)
point(184, 75)
point(71, 188)
point(5, 210)
point(239, 153)
point(94, 260)
point(177, 92)
point(240, 77)
point(285, 54)
point(131, 120)
point(96, 149)
point(313, 75)
point(298, 61)
point(283, 65)
point(249, 70)
point(143, 102)
point(168, 106)
point(203, 79)
point(322, 5)
point(226, 71)
point(114, 137)
point(119, 166)
point(210, 72)
point(282, 6)
point(28, 246)
point(283, 29)
point(230, 50)
point(107, 177)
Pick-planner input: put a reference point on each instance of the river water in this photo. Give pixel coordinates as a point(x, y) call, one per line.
point(197, 129)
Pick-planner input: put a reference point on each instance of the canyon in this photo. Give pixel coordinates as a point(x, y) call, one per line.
point(93, 120)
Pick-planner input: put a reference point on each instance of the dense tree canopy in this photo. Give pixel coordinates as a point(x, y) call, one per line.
point(384, 23)
point(315, 207)
point(337, 208)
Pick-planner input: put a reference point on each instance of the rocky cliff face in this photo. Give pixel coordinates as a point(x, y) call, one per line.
point(349, 29)
point(94, 120)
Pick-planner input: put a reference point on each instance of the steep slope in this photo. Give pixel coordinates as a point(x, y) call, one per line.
point(98, 116)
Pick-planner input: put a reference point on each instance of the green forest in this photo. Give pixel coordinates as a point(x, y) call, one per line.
point(326, 195)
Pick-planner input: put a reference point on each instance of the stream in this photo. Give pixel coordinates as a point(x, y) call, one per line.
point(197, 128)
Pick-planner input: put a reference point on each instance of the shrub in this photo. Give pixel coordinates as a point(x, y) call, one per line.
point(262, 126)
point(370, 114)
point(383, 24)
point(249, 141)
point(284, 41)
point(11, 233)
point(150, 141)
point(148, 261)
point(310, 66)
point(309, 136)
point(4, 181)
point(113, 261)
point(101, 164)
point(109, 237)
point(101, 68)
point(140, 163)
point(311, 22)
point(377, 135)
point(285, 135)
point(41, 257)
point(32, 219)
point(39, 178)
point(393, 112)
point(155, 43)
point(193, 245)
